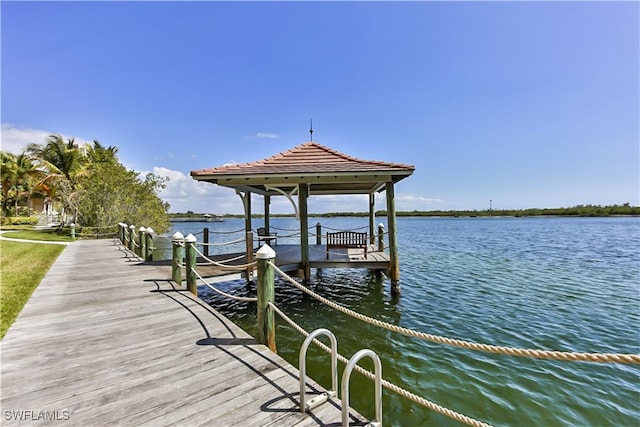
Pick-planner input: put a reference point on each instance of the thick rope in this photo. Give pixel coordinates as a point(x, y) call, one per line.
point(388, 385)
point(242, 239)
point(97, 234)
point(225, 266)
point(225, 260)
point(248, 299)
point(285, 229)
point(225, 232)
point(538, 354)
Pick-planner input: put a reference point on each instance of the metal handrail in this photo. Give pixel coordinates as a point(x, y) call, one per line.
point(323, 397)
point(378, 386)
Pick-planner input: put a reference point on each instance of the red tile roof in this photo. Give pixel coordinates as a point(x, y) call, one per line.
point(309, 158)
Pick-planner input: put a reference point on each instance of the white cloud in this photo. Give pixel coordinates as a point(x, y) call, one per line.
point(184, 194)
point(264, 135)
point(15, 139)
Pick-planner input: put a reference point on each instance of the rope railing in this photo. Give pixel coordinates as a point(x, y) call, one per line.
point(385, 383)
point(97, 228)
point(234, 297)
point(468, 345)
point(225, 266)
point(85, 231)
point(226, 231)
point(285, 229)
point(231, 242)
point(280, 236)
point(97, 235)
point(202, 264)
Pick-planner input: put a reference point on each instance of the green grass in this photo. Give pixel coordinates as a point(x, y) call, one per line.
point(23, 265)
point(47, 234)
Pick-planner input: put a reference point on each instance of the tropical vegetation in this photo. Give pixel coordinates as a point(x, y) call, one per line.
point(87, 184)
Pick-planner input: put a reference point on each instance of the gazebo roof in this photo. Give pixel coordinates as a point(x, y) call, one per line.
point(327, 171)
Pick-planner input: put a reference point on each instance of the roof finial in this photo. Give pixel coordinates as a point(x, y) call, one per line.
point(311, 129)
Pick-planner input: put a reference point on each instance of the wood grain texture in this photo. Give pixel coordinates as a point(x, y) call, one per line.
point(108, 340)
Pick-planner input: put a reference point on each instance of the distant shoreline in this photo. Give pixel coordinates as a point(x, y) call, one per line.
point(590, 211)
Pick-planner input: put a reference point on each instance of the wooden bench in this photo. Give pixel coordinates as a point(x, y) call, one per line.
point(347, 240)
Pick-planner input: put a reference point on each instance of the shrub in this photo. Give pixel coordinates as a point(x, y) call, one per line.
point(19, 220)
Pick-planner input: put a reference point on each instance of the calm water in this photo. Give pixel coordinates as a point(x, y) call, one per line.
point(570, 284)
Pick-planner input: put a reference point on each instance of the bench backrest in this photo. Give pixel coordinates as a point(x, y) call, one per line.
point(347, 238)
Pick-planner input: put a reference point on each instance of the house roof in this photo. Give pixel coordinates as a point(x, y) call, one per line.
point(327, 171)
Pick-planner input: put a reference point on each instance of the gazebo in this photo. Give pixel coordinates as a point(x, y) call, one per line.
point(312, 169)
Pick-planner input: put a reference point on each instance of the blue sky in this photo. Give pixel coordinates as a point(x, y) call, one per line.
point(525, 104)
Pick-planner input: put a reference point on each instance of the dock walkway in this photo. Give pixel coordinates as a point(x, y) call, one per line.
point(108, 340)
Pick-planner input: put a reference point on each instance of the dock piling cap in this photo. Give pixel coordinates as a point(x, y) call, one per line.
point(190, 238)
point(177, 236)
point(265, 252)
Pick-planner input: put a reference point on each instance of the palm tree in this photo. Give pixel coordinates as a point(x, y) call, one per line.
point(59, 157)
point(98, 153)
point(63, 162)
point(8, 177)
point(19, 174)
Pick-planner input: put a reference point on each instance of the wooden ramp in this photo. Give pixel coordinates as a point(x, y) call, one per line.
point(107, 340)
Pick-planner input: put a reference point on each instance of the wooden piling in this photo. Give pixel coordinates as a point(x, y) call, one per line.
point(191, 257)
point(142, 247)
point(205, 241)
point(372, 218)
point(176, 259)
point(394, 267)
point(303, 195)
point(249, 244)
point(380, 237)
point(149, 238)
point(132, 238)
point(266, 294)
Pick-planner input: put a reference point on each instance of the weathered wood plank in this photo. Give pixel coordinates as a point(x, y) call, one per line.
point(107, 339)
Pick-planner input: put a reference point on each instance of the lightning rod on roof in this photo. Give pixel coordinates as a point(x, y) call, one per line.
point(311, 128)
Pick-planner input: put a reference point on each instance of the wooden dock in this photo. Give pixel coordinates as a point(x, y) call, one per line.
point(108, 340)
point(289, 259)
